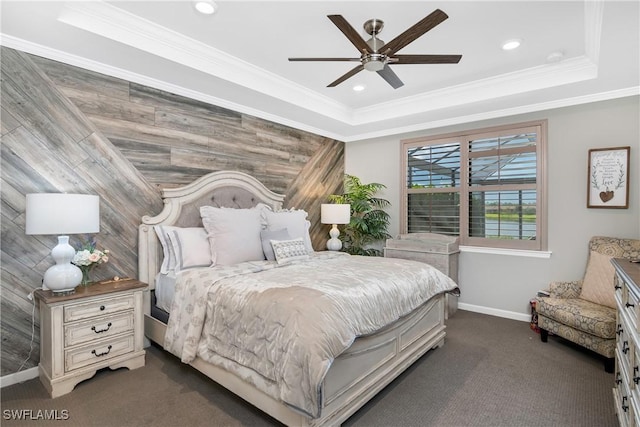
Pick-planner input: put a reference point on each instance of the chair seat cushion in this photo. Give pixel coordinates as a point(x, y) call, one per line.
point(586, 316)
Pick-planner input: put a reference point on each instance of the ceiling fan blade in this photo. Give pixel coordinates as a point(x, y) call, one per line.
point(351, 73)
point(391, 77)
point(426, 24)
point(324, 59)
point(425, 59)
point(350, 32)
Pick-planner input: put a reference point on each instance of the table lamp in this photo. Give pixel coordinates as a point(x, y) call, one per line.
point(62, 214)
point(335, 214)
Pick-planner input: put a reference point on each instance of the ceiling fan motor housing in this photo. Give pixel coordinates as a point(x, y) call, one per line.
point(375, 43)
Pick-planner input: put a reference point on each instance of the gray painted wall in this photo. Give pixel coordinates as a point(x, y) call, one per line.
point(504, 284)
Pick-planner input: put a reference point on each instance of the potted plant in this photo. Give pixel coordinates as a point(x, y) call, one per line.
point(369, 221)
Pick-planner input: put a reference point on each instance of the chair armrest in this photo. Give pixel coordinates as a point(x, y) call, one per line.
point(565, 289)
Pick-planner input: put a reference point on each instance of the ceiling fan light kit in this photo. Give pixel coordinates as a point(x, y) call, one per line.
point(374, 61)
point(376, 55)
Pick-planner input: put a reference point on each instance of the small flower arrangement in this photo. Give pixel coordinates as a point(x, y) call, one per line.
point(88, 256)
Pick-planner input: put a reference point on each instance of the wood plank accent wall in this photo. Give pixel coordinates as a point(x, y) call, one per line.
point(66, 129)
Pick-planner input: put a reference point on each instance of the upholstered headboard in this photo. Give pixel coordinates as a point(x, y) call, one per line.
point(182, 209)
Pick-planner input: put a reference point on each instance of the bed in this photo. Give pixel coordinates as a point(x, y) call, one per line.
point(217, 310)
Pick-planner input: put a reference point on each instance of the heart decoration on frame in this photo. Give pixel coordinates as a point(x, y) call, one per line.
point(605, 196)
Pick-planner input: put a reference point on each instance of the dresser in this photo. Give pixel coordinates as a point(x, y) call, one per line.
point(626, 391)
point(98, 326)
point(438, 250)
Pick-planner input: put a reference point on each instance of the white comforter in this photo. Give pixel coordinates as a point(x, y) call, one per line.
point(288, 323)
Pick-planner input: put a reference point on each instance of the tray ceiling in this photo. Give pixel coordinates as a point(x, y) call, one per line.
point(572, 52)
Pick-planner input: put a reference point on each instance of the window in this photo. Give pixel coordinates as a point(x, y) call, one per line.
point(485, 186)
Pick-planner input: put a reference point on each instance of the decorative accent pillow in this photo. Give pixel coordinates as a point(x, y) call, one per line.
point(191, 248)
point(294, 220)
point(267, 235)
point(597, 285)
point(289, 250)
point(234, 234)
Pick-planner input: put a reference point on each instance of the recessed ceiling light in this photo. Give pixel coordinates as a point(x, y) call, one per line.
point(207, 7)
point(511, 44)
point(359, 88)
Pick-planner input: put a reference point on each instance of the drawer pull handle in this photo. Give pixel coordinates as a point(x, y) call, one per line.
point(102, 307)
point(103, 353)
point(625, 408)
point(636, 378)
point(616, 287)
point(625, 347)
point(620, 330)
point(618, 379)
point(629, 305)
point(99, 331)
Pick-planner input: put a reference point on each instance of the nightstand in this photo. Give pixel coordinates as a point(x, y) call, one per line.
point(98, 326)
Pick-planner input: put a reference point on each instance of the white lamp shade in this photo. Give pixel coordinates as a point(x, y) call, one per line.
point(335, 213)
point(61, 213)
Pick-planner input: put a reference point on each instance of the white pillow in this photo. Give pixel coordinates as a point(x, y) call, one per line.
point(191, 248)
point(289, 250)
point(266, 236)
point(169, 260)
point(234, 234)
point(295, 221)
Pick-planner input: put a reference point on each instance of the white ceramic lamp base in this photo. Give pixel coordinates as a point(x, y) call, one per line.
point(63, 277)
point(334, 244)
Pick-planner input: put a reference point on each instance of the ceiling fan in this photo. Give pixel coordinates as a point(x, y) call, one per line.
point(377, 55)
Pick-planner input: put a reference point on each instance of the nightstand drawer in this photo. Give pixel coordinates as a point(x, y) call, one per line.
point(97, 352)
point(98, 328)
point(98, 308)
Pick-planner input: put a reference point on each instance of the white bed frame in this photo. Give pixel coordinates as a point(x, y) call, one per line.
point(355, 376)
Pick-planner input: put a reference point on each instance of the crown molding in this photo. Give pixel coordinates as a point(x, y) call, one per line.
point(64, 57)
point(536, 78)
point(494, 114)
point(98, 67)
point(113, 23)
point(593, 14)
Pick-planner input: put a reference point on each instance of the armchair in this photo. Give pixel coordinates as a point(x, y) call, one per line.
point(583, 311)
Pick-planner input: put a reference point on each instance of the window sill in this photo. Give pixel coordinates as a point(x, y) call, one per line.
point(501, 251)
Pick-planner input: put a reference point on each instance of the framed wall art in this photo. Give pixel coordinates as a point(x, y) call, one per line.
point(608, 178)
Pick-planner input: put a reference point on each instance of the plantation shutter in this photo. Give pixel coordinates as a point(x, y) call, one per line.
point(486, 186)
point(433, 183)
point(502, 186)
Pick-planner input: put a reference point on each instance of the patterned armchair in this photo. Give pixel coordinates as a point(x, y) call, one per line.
point(574, 314)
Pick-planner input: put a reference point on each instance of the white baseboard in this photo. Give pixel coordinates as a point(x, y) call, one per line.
point(495, 312)
point(19, 377)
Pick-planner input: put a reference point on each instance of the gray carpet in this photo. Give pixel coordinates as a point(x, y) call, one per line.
point(490, 372)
